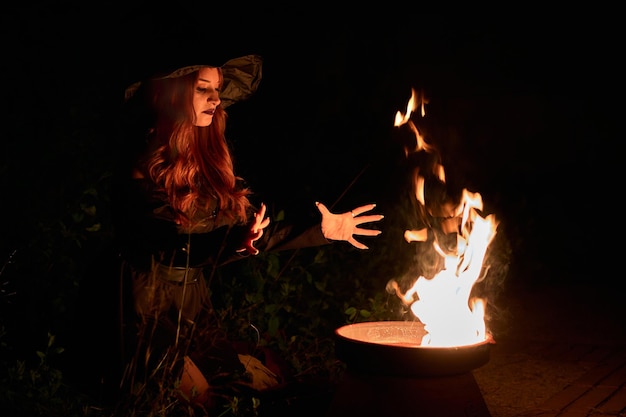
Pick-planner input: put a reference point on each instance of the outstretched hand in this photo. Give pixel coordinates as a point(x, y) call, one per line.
point(344, 226)
point(255, 232)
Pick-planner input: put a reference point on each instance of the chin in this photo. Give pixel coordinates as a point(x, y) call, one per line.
point(204, 121)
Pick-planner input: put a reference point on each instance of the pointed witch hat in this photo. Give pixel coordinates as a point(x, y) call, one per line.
point(241, 78)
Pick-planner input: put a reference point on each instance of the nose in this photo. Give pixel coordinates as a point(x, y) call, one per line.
point(214, 97)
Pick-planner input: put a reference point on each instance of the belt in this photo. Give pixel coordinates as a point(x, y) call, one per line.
point(180, 275)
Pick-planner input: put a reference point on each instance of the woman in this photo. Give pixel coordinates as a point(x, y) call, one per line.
point(183, 210)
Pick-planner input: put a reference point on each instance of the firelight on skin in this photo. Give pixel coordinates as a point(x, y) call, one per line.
point(206, 96)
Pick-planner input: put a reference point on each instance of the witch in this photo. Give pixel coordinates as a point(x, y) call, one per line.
point(180, 211)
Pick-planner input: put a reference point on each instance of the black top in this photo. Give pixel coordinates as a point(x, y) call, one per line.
point(146, 230)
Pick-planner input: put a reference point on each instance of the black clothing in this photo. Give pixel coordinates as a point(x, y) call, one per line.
point(146, 229)
point(152, 296)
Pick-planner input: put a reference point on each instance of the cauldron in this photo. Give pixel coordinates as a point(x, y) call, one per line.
point(394, 348)
point(389, 373)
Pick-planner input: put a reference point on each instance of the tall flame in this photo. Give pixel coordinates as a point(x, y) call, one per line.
point(443, 303)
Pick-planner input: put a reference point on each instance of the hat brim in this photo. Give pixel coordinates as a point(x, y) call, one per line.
point(241, 78)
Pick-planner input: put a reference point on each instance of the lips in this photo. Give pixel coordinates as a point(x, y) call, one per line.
point(209, 112)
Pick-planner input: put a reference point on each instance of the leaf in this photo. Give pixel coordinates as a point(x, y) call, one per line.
point(350, 312)
point(365, 313)
point(273, 324)
point(280, 216)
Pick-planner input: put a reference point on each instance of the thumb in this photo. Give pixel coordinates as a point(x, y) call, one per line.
point(322, 208)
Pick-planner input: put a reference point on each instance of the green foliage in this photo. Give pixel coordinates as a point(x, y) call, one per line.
point(278, 301)
point(36, 388)
point(290, 303)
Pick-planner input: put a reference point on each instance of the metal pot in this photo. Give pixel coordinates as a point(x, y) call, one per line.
point(394, 348)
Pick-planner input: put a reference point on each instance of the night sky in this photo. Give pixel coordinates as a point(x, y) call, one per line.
point(522, 109)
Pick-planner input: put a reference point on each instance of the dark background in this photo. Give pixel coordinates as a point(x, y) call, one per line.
point(523, 106)
point(523, 109)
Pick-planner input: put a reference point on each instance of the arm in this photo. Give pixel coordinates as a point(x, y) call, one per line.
point(332, 227)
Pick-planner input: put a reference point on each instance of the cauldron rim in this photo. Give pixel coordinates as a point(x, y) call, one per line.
point(402, 360)
point(339, 332)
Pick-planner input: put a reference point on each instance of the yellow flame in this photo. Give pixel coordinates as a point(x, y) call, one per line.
point(410, 107)
point(414, 101)
point(443, 303)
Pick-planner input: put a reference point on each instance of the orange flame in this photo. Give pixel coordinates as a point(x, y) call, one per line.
point(443, 302)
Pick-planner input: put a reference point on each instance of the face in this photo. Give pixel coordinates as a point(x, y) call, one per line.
point(206, 95)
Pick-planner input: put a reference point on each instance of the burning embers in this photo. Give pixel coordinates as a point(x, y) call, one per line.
point(444, 303)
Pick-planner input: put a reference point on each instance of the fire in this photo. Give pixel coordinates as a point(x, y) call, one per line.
point(443, 303)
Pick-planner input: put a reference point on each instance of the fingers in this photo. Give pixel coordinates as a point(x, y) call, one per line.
point(261, 212)
point(254, 237)
point(357, 244)
point(256, 230)
point(263, 224)
point(363, 209)
point(250, 249)
point(367, 232)
point(364, 219)
point(260, 221)
point(355, 212)
point(344, 226)
point(368, 219)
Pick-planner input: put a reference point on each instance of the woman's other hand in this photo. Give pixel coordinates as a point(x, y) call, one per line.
point(255, 232)
point(345, 226)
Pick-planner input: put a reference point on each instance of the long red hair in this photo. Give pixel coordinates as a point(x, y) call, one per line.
point(192, 164)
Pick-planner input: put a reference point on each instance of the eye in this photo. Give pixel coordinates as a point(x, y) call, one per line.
point(201, 90)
